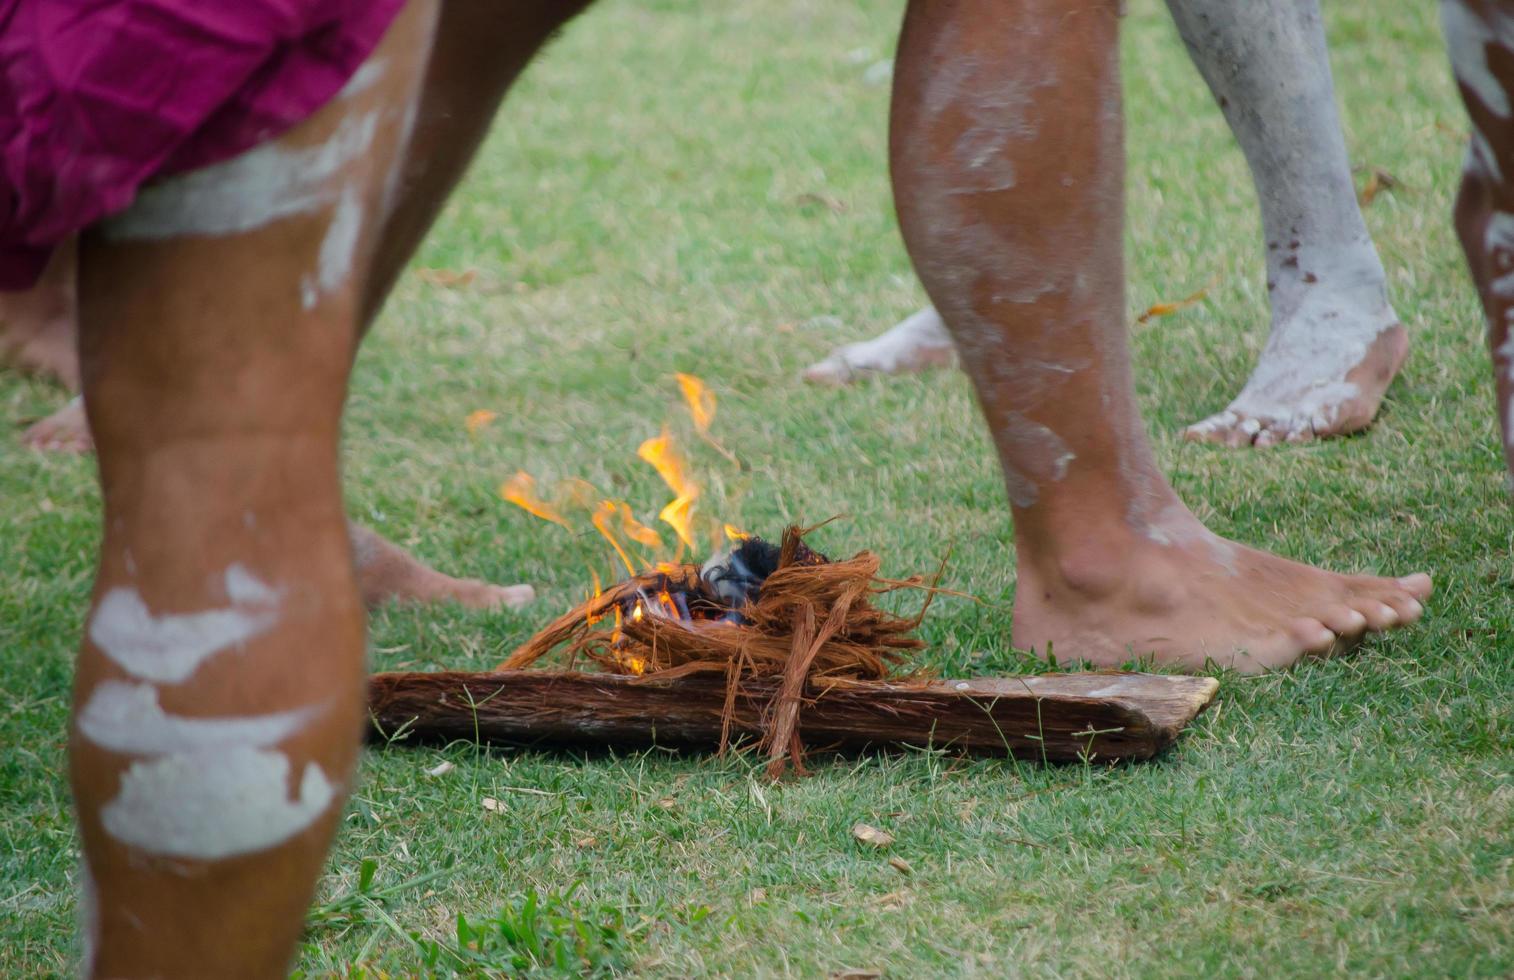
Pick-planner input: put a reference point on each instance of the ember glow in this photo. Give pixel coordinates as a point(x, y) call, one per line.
point(598, 591)
point(700, 398)
point(520, 490)
point(665, 458)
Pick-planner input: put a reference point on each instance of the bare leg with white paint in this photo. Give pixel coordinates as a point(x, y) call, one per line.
point(1007, 154)
point(1336, 343)
point(1480, 37)
point(220, 689)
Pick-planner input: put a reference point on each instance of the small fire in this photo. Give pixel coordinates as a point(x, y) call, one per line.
point(700, 398)
point(669, 464)
point(520, 490)
point(735, 534)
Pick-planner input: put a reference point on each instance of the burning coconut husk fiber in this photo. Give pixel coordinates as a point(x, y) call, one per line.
point(757, 611)
point(758, 641)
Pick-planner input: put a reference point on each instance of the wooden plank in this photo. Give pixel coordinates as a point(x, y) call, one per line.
point(1055, 717)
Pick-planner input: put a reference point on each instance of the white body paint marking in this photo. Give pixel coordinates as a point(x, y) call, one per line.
point(339, 247)
point(1480, 157)
point(127, 718)
point(1467, 38)
point(364, 78)
point(1175, 527)
point(213, 806)
point(1033, 456)
point(1498, 245)
point(1505, 351)
point(263, 185)
point(170, 647)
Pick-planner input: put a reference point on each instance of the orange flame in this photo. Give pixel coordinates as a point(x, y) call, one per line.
point(591, 619)
point(665, 458)
point(679, 515)
point(733, 533)
point(520, 490)
point(601, 518)
point(700, 398)
point(637, 531)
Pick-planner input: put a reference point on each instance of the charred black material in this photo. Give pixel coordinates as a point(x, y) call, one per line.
point(737, 576)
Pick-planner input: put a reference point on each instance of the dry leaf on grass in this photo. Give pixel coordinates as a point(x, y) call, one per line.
point(493, 805)
point(757, 896)
point(855, 975)
point(1167, 309)
point(440, 769)
point(1378, 180)
point(447, 277)
point(585, 841)
point(868, 834)
point(478, 419)
point(900, 865)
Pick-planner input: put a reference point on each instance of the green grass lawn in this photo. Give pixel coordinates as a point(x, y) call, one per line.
point(683, 186)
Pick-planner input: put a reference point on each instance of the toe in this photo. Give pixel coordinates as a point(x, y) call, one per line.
point(1345, 621)
point(1314, 637)
point(1408, 608)
point(1380, 615)
point(516, 596)
point(832, 371)
point(1237, 437)
point(1418, 585)
point(497, 597)
point(1212, 429)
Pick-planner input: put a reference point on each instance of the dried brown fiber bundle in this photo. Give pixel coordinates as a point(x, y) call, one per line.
point(812, 620)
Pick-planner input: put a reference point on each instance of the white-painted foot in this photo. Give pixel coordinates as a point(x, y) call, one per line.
point(918, 342)
point(1336, 345)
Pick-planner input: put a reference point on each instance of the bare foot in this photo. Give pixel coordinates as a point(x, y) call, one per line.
point(47, 351)
point(64, 431)
point(1190, 598)
point(917, 342)
point(37, 326)
point(1335, 347)
point(386, 572)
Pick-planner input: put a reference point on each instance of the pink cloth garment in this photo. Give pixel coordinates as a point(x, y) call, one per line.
point(97, 97)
